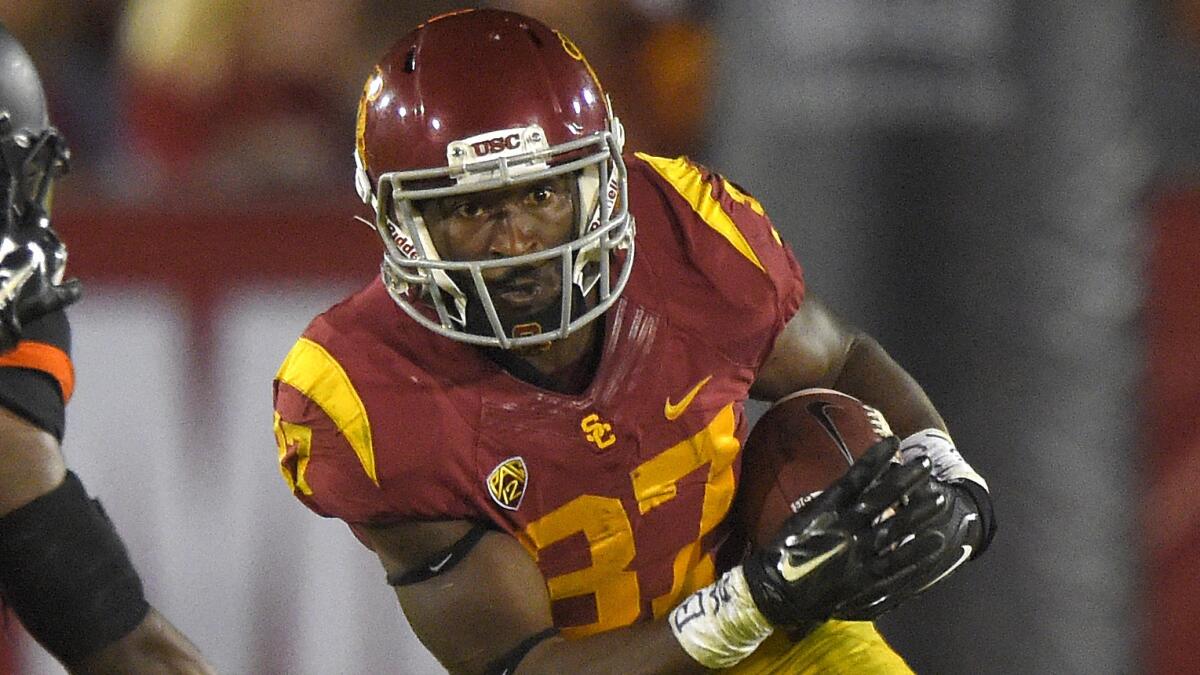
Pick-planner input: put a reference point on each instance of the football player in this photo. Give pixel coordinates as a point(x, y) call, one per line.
point(534, 415)
point(63, 567)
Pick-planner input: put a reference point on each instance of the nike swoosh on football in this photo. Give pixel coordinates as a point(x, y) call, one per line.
point(792, 572)
point(818, 410)
point(673, 410)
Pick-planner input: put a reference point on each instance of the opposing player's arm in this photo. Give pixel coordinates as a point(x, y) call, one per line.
point(153, 647)
point(487, 610)
point(63, 567)
point(30, 463)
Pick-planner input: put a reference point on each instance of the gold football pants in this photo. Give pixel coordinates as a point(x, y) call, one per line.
point(849, 647)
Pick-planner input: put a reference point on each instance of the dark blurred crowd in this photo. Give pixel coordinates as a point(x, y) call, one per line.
point(175, 100)
point(170, 99)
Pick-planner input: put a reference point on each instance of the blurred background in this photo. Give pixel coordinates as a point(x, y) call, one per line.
point(1005, 192)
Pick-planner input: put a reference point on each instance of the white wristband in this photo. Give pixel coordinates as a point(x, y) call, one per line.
point(948, 463)
point(719, 625)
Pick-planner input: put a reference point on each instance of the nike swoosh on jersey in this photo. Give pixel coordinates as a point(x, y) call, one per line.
point(791, 572)
point(438, 567)
point(673, 410)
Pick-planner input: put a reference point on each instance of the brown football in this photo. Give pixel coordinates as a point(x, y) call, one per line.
point(800, 446)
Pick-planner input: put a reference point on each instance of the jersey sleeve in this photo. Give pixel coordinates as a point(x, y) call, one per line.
point(365, 432)
point(37, 377)
point(729, 241)
point(324, 439)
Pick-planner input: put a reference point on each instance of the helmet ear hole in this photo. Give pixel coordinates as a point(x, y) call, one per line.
point(410, 60)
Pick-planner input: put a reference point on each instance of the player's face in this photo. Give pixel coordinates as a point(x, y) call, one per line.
point(508, 222)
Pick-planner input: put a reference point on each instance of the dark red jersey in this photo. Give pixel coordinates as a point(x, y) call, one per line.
point(620, 492)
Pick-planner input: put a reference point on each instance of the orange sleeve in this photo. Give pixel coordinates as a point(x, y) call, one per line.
point(44, 357)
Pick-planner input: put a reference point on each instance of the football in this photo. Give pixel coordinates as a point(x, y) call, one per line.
point(801, 445)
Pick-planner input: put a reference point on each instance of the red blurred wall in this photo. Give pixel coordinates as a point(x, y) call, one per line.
point(1171, 511)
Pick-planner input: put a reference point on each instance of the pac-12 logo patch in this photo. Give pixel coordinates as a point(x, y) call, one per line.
point(506, 483)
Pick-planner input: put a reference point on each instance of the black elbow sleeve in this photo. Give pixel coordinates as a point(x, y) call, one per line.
point(66, 573)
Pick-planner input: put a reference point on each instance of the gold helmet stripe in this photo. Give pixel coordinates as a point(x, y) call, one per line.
point(371, 90)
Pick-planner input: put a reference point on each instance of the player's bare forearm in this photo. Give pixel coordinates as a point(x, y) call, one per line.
point(817, 349)
point(30, 462)
point(645, 648)
point(476, 610)
point(870, 374)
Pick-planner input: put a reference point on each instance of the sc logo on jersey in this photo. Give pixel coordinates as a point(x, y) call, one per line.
point(498, 144)
point(597, 431)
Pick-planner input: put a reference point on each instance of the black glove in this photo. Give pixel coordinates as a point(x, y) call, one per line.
point(818, 559)
point(31, 275)
point(936, 528)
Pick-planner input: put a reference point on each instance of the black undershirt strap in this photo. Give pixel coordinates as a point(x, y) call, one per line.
point(507, 664)
point(443, 561)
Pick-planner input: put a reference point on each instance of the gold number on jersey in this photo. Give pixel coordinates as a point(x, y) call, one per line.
point(605, 524)
point(654, 484)
point(289, 435)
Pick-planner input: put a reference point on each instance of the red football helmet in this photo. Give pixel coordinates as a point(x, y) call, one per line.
point(477, 100)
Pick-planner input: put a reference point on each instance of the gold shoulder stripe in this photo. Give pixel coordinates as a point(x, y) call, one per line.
point(755, 205)
point(743, 198)
point(749, 200)
point(690, 184)
point(315, 373)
